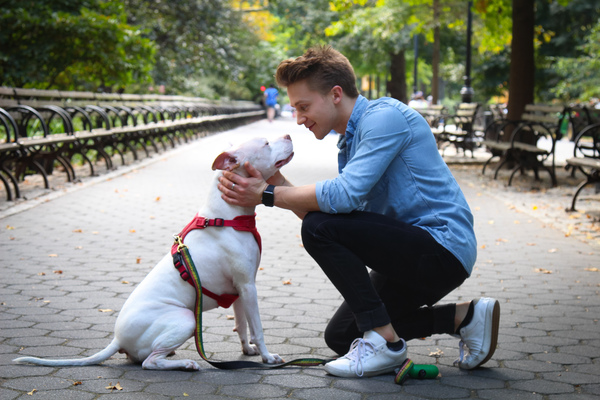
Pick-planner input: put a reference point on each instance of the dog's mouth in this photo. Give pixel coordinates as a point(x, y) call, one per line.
point(281, 163)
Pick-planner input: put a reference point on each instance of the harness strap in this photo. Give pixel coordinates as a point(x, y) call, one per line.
point(245, 223)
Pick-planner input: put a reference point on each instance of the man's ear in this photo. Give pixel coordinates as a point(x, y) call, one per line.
point(337, 93)
point(225, 161)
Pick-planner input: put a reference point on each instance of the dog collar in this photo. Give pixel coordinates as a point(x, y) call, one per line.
point(246, 223)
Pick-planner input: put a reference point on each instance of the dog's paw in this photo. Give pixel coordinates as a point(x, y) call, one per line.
point(250, 350)
point(191, 364)
point(273, 359)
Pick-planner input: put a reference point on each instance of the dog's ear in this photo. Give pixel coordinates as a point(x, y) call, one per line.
point(225, 161)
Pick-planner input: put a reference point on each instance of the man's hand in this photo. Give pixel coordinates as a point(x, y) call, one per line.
point(239, 191)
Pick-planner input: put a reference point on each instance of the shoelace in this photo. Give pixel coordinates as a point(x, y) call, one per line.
point(461, 357)
point(357, 352)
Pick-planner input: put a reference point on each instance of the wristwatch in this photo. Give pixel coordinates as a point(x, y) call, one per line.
point(268, 197)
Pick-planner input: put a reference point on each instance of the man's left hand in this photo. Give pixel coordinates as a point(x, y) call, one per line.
point(239, 191)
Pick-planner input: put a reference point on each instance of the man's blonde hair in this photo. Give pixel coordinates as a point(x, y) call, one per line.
point(322, 67)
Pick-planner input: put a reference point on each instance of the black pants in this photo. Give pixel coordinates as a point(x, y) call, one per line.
point(410, 272)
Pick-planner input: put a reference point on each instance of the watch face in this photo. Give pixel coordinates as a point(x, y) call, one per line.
point(268, 197)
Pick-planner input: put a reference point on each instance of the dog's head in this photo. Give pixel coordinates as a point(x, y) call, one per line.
point(265, 156)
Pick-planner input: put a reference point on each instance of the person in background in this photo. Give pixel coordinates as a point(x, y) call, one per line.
point(418, 101)
point(271, 94)
point(394, 208)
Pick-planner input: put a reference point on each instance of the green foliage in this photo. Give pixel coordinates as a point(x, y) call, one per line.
point(79, 44)
point(204, 48)
point(579, 78)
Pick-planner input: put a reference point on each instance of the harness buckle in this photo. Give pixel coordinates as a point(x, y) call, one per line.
point(219, 222)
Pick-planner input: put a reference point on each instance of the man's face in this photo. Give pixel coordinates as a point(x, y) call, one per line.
point(314, 110)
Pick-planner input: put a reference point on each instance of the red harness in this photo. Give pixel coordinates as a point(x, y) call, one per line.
point(245, 223)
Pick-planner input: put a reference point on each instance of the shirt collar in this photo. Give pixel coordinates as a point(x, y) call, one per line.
point(357, 112)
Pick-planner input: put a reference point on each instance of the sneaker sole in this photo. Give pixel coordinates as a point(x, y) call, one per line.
point(494, 336)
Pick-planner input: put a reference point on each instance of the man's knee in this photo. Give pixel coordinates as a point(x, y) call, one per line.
point(310, 224)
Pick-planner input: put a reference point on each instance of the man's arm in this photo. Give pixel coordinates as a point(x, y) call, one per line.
point(248, 191)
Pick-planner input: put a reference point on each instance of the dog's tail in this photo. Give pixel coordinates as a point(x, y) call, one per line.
point(97, 358)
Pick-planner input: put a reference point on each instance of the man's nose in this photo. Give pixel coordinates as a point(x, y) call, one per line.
point(300, 119)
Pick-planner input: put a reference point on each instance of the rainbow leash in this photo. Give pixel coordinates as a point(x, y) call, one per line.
point(189, 263)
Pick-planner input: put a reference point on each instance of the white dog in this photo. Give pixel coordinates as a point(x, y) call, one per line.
point(158, 316)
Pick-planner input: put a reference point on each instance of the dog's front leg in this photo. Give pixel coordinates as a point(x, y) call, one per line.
point(249, 306)
point(241, 328)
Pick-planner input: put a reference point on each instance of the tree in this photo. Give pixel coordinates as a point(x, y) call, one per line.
point(522, 65)
point(205, 47)
point(579, 77)
point(70, 44)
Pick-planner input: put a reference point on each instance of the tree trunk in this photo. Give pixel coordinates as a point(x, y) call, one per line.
point(435, 61)
point(522, 62)
point(397, 84)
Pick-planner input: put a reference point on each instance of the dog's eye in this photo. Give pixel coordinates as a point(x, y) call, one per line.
point(266, 144)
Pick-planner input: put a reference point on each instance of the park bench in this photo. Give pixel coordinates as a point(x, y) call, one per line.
point(532, 140)
point(459, 129)
point(433, 114)
point(40, 129)
point(586, 159)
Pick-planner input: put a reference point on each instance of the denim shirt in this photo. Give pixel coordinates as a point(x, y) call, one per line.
point(389, 164)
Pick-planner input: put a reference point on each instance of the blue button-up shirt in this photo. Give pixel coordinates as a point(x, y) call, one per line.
point(389, 164)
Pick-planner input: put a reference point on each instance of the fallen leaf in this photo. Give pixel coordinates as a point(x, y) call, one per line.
point(287, 282)
point(115, 387)
point(552, 250)
point(437, 353)
point(58, 272)
point(132, 230)
point(531, 244)
point(535, 207)
point(41, 273)
point(229, 317)
point(482, 246)
point(77, 383)
point(516, 222)
point(125, 282)
point(157, 199)
point(138, 260)
point(502, 240)
point(543, 271)
point(185, 394)
point(592, 269)
point(260, 268)
point(32, 392)
point(10, 228)
point(78, 247)
point(52, 255)
point(78, 230)
point(491, 222)
point(104, 310)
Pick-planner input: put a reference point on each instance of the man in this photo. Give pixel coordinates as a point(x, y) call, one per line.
point(394, 207)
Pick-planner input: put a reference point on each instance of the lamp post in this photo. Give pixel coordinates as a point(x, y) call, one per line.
point(415, 84)
point(467, 91)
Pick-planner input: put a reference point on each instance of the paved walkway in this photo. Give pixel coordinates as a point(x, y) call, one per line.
point(69, 261)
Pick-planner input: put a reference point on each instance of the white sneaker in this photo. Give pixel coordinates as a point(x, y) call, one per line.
point(480, 336)
point(368, 356)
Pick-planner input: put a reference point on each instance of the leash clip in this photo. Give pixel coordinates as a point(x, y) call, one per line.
point(179, 242)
